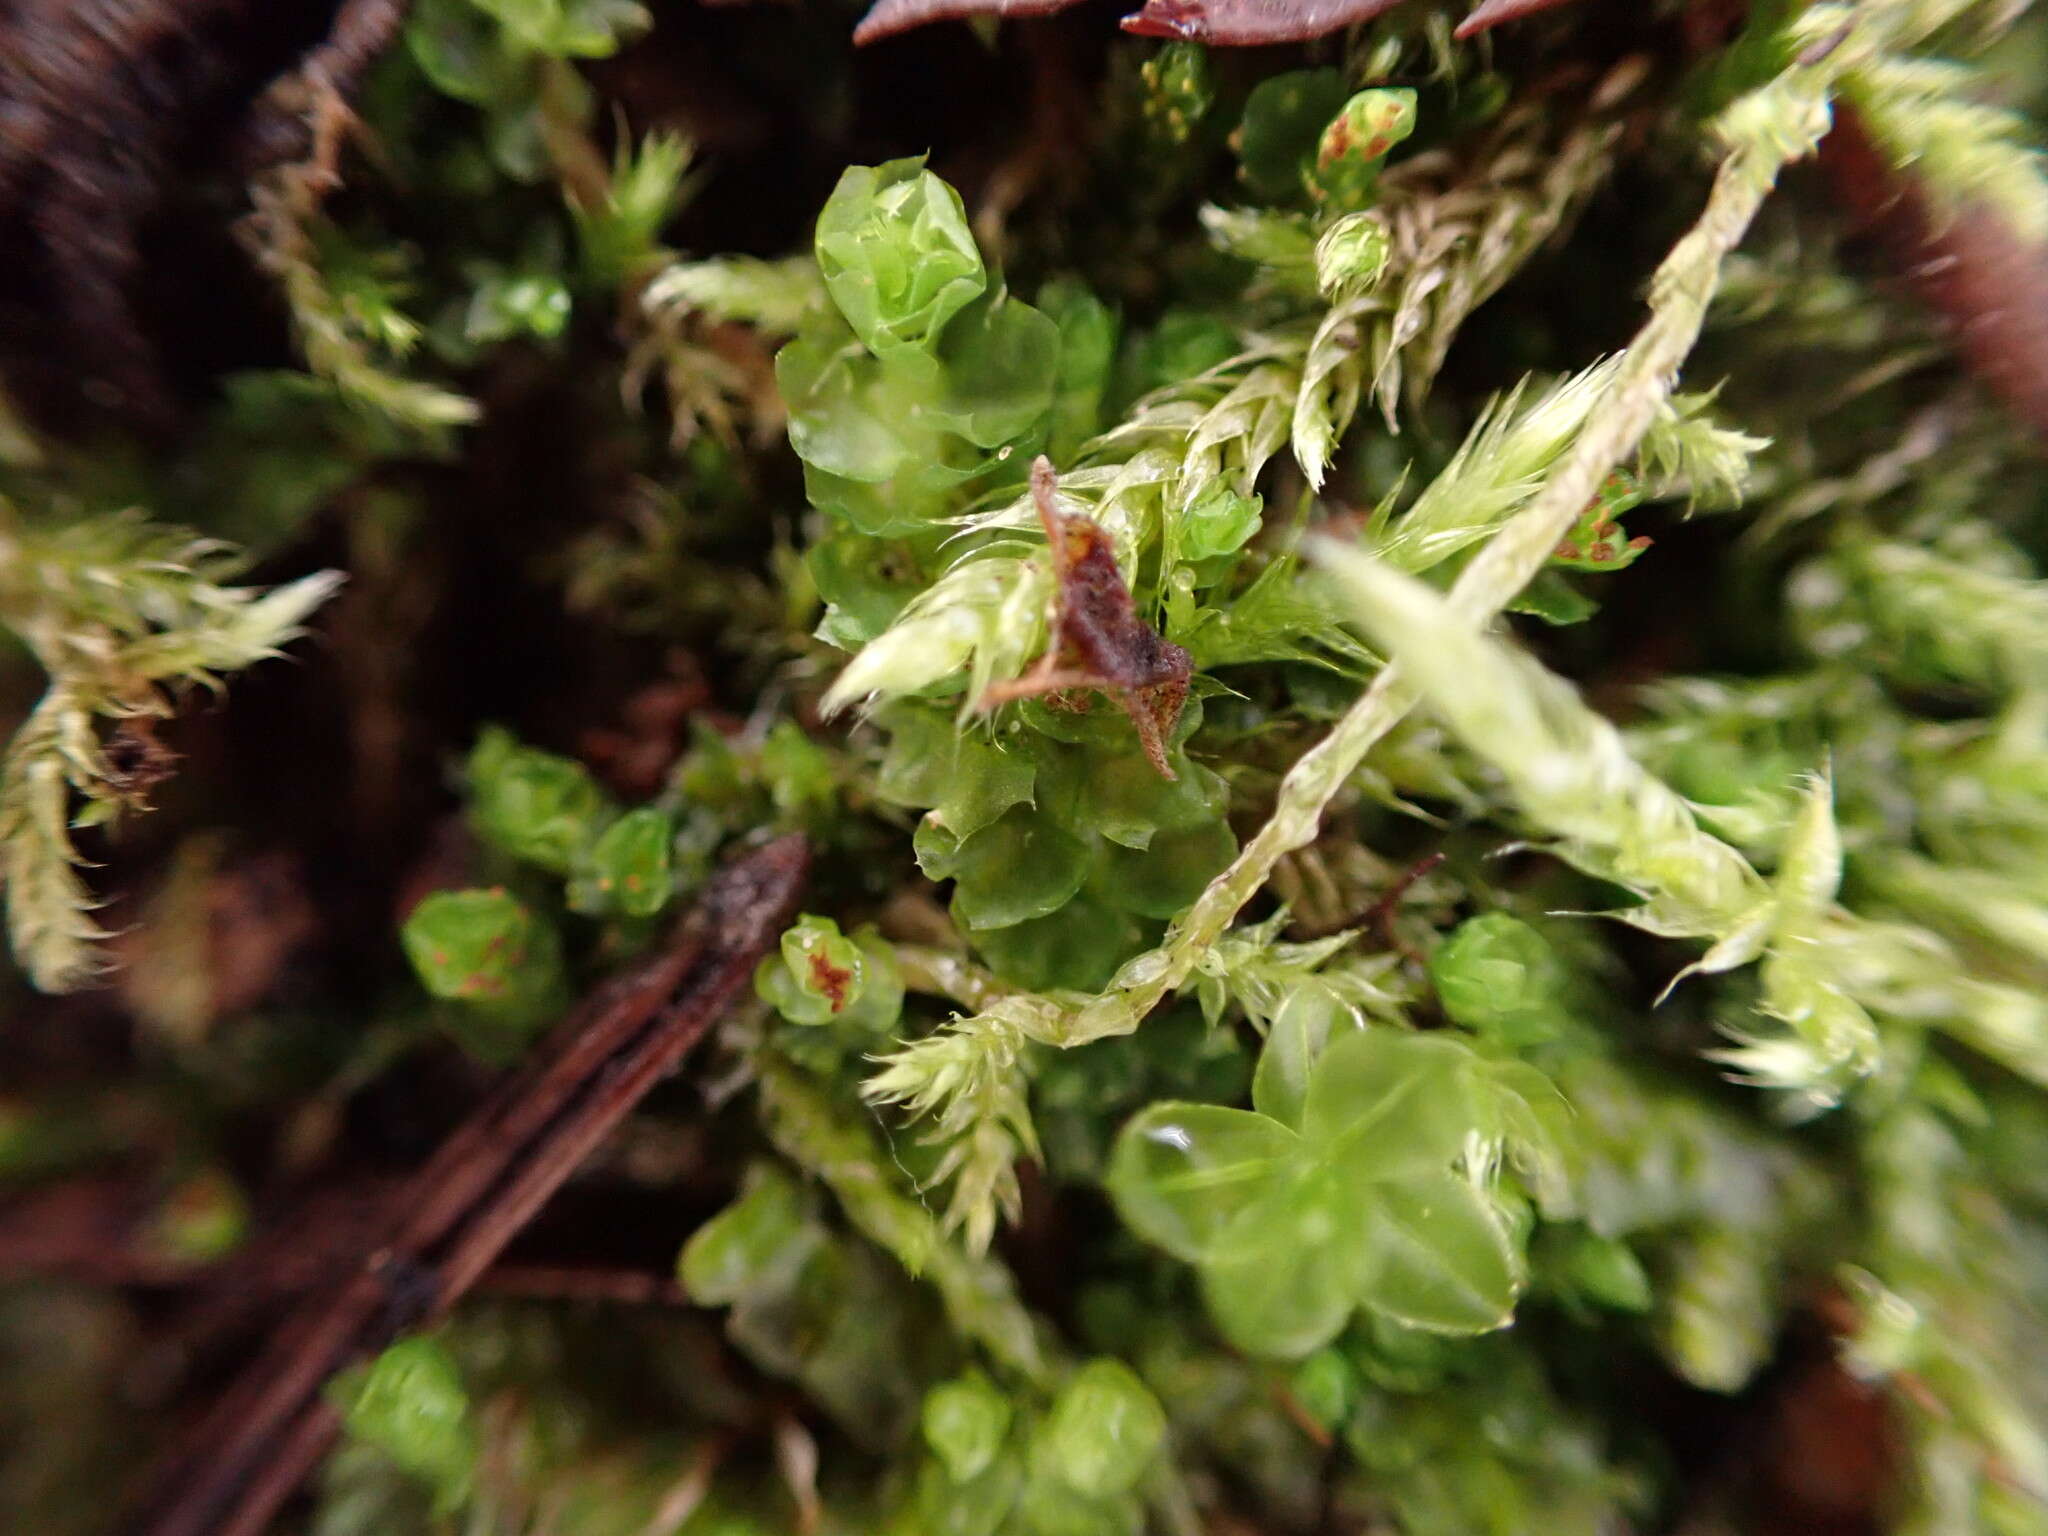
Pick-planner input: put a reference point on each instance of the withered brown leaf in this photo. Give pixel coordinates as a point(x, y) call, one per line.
point(1098, 641)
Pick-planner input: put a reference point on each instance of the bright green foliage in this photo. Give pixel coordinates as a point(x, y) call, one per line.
point(965, 1422)
point(1104, 1429)
point(896, 256)
point(619, 238)
point(1359, 1194)
point(1179, 90)
point(628, 868)
point(1350, 256)
point(539, 808)
point(410, 1404)
point(754, 1242)
point(493, 956)
point(1074, 1467)
point(813, 1306)
point(1355, 142)
point(1499, 978)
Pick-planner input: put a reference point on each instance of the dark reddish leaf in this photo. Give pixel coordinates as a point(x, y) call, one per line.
point(1229, 23)
point(1491, 13)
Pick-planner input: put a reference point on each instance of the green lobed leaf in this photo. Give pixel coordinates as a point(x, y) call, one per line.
point(1310, 1016)
point(1001, 358)
point(629, 870)
point(1386, 1103)
point(1284, 1275)
point(1078, 948)
point(966, 779)
point(1104, 1430)
point(487, 950)
point(1181, 1174)
point(754, 1245)
point(1019, 867)
point(1165, 876)
point(410, 1403)
point(1500, 978)
point(1440, 1255)
point(536, 806)
point(896, 254)
point(965, 1422)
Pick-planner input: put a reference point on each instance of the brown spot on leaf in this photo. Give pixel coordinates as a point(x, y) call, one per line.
point(1099, 642)
point(832, 980)
point(1987, 284)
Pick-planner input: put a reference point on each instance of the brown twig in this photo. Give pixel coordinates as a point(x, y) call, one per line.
point(1380, 915)
point(449, 1221)
point(1988, 286)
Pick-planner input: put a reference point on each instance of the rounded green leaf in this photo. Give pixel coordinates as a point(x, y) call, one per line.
point(965, 1421)
point(536, 806)
point(1438, 1256)
point(866, 582)
point(1049, 1506)
point(1019, 868)
point(1088, 336)
point(1000, 356)
point(1104, 1429)
point(1326, 1385)
point(1181, 1174)
point(966, 779)
point(1284, 1275)
point(1312, 1013)
point(1169, 872)
point(851, 414)
point(489, 951)
point(1606, 1271)
point(628, 869)
point(1078, 947)
point(1499, 977)
point(411, 1405)
point(1218, 523)
point(1386, 1103)
point(1116, 793)
point(458, 48)
point(754, 1245)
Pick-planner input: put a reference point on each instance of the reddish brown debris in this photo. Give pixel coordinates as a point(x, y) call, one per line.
point(1099, 642)
point(1989, 286)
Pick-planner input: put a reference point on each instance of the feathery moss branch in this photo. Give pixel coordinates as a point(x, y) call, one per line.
point(116, 611)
